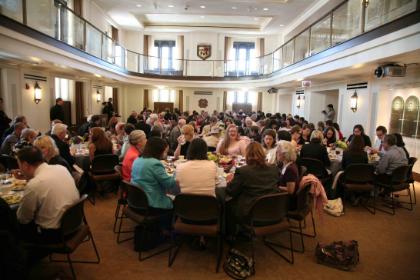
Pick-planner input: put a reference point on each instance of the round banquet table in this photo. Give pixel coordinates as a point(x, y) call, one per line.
point(6, 190)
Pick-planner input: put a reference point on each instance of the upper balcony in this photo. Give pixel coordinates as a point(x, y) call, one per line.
point(351, 23)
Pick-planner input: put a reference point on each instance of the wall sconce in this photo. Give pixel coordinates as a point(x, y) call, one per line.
point(98, 96)
point(300, 101)
point(37, 93)
point(353, 102)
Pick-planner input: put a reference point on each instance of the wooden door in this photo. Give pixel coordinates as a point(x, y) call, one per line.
point(163, 106)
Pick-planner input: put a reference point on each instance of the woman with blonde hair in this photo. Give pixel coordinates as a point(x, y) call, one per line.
point(315, 149)
point(250, 182)
point(99, 143)
point(50, 152)
point(288, 171)
point(187, 135)
point(232, 144)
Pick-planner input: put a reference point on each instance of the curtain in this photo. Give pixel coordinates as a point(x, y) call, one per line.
point(259, 102)
point(181, 100)
point(79, 102)
point(179, 55)
point(146, 98)
point(224, 101)
point(229, 59)
point(146, 51)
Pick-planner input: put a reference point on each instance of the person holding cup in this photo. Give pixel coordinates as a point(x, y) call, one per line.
point(184, 141)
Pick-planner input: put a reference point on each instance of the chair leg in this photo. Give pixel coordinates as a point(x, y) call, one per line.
point(95, 248)
point(414, 192)
point(272, 246)
point(119, 232)
point(117, 212)
point(71, 266)
point(392, 206)
point(172, 257)
point(301, 237)
point(219, 252)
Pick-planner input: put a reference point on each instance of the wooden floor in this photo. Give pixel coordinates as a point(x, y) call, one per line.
point(389, 249)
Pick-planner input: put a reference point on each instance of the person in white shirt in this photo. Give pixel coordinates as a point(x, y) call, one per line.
point(378, 146)
point(49, 192)
point(269, 145)
point(197, 175)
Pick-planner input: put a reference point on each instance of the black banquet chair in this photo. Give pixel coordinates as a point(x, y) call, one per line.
point(398, 182)
point(103, 169)
point(316, 168)
point(74, 231)
point(268, 218)
point(359, 178)
point(304, 208)
point(197, 215)
point(137, 209)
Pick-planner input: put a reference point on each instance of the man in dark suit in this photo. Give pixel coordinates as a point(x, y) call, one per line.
point(57, 112)
point(58, 133)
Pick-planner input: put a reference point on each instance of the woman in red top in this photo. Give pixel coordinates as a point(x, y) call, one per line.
point(137, 140)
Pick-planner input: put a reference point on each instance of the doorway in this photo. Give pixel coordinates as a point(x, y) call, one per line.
point(319, 101)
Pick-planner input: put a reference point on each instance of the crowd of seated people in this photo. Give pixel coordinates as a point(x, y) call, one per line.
point(271, 145)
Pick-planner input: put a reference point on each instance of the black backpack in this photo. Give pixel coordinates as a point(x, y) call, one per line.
point(343, 255)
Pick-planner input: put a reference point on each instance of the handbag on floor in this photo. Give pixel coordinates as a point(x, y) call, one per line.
point(343, 255)
point(334, 207)
point(238, 265)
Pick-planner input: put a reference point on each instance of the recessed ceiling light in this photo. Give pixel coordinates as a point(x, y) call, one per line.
point(202, 7)
point(138, 5)
point(97, 75)
point(171, 6)
point(234, 8)
point(202, 16)
point(281, 25)
point(265, 9)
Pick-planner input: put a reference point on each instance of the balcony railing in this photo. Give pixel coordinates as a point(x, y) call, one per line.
point(346, 21)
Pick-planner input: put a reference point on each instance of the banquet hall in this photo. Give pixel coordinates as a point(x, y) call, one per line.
point(264, 139)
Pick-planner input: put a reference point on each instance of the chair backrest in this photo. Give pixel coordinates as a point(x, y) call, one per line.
point(197, 207)
point(9, 162)
point(136, 197)
point(302, 171)
point(104, 164)
point(73, 217)
point(314, 166)
point(304, 198)
point(400, 174)
point(270, 208)
point(359, 173)
point(411, 162)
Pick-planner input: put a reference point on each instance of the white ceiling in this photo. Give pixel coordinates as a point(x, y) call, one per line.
point(265, 16)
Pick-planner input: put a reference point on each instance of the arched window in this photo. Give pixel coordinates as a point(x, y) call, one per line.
point(411, 111)
point(397, 111)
